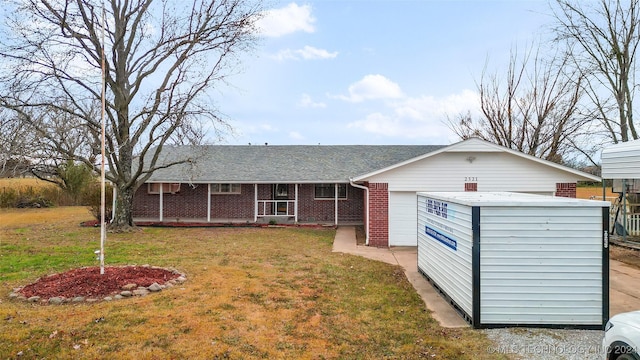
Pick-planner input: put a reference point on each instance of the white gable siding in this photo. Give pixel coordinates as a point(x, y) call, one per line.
point(492, 171)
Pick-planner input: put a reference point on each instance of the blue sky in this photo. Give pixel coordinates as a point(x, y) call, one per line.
point(371, 72)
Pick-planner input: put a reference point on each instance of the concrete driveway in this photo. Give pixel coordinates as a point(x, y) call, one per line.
point(624, 281)
point(624, 289)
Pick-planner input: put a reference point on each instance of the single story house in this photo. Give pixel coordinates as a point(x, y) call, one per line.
point(371, 185)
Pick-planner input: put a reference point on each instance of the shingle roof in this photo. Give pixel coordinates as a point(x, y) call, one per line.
point(281, 163)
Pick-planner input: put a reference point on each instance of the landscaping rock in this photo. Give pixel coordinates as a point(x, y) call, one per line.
point(56, 300)
point(129, 287)
point(127, 291)
point(140, 292)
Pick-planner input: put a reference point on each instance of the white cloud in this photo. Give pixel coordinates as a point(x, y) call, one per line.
point(287, 20)
point(296, 135)
point(372, 87)
point(418, 117)
point(307, 102)
point(306, 53)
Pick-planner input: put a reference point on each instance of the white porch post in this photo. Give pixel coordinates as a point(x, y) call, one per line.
point(113, 206)
point(161, 201)
point(295, 206)
point(336, 203)
point(208, 202)
point(255, 202)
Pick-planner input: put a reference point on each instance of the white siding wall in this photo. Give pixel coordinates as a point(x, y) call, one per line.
point(541, 265)
point(450, 269)
point(493, 171)
point(620, 161)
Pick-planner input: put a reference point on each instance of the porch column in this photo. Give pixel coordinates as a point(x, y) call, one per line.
point(208, 202)
point(161, 200)
point(113, 206)
point(335, 187)
point(295, 206)
point(255, 202)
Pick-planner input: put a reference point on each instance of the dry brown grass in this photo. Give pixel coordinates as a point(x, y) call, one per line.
point(252, 293)
point(22, 183)
point(69, 215)
point(586, 192)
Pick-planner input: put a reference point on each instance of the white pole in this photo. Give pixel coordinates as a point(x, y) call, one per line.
point(103, 230)
point(295, 206)
point(336, 203)
point(208, 202)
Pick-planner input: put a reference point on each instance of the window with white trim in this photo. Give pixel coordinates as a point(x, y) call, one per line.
point(327, 191)
point(167, 188)
point(226, 188)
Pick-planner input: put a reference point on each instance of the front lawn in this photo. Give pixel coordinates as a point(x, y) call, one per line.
point(251, 293)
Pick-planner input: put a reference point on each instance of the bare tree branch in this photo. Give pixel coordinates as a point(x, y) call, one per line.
point(602, 39)
point(162, 59)
point(535, 109)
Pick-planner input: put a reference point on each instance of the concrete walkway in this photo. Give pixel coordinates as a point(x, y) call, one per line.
point(407, 257)
point(624, 294)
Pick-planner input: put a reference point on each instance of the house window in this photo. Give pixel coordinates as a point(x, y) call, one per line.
point(226, 188)
point(281, 191)
point(154, 188)
point(327, 191)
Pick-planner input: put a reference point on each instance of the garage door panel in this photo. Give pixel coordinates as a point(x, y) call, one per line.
point(402, 218)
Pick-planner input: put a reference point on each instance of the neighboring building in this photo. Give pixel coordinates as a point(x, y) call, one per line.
point(353, 184)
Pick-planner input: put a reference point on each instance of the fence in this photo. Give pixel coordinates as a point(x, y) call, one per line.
point(276, 208)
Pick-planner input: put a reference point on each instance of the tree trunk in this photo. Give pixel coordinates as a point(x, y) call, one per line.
point(123, 219)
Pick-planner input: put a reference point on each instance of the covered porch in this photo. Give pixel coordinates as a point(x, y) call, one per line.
point(259, 203)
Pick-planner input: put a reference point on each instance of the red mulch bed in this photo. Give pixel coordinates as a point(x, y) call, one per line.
point(88, 282)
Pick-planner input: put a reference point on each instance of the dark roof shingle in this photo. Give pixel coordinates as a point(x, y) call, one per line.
point(281, 163)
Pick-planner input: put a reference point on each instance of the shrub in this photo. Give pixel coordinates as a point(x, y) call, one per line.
point(76, 177)
point(91, 197)
point(29, 197)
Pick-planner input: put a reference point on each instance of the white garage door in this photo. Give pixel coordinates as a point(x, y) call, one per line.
point(403, 218)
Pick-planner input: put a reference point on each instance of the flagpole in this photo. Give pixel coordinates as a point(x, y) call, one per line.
point(103, 230)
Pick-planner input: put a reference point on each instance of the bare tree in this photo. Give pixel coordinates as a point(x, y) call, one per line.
point(16, 144)
point(602, 38)
point(161, 59)
point(534, 109)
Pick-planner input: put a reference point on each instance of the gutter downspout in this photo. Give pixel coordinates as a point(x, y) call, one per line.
point(366, 208)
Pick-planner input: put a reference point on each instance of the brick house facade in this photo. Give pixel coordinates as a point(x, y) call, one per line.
point(371, 185)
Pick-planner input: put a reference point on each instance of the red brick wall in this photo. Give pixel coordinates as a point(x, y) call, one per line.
point(145, 205)
point(379, 214)
point(566, 190)
point(233, 206)
point(350, 209)
point(470, 186)
point(191, 203)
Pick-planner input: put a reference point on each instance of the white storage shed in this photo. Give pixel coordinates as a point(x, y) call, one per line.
point(510, 259)
point(621, 161)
